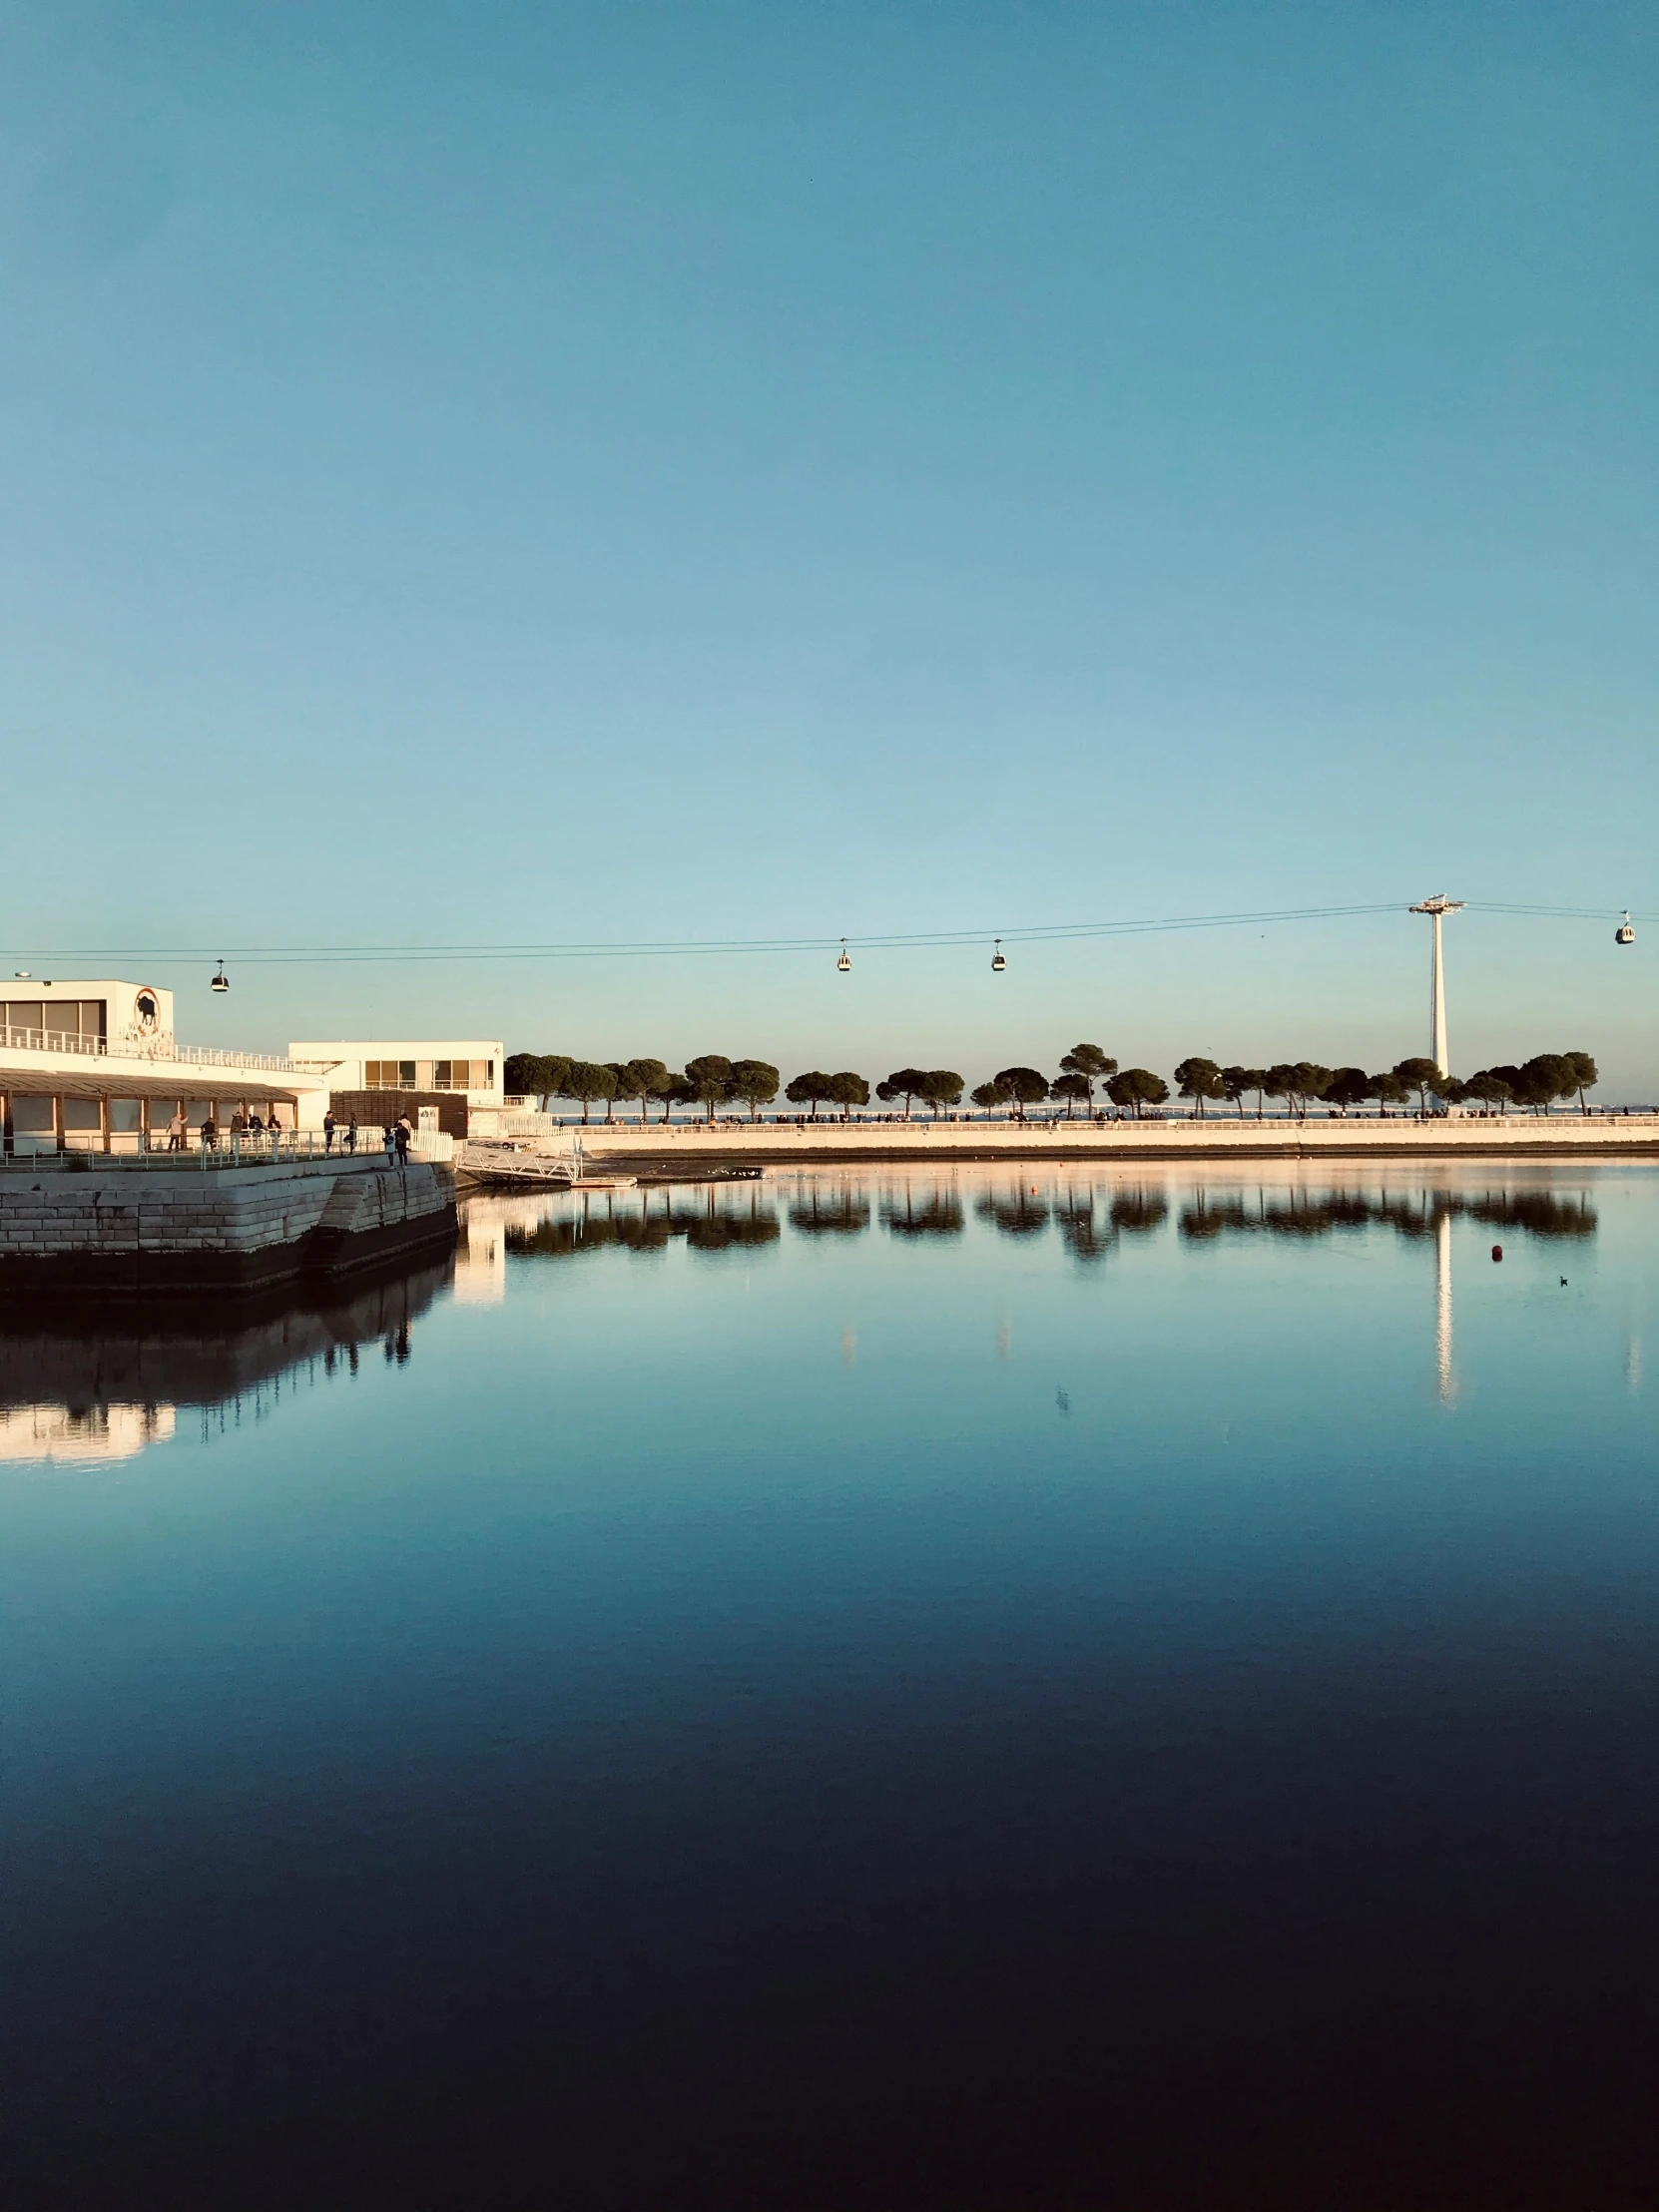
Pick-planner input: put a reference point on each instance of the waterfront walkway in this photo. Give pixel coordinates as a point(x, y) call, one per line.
point(683, 1145)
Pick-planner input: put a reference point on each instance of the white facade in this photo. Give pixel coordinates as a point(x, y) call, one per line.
point(469, 1066)
point(92, 1065)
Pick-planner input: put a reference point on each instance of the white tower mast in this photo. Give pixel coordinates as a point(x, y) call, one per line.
point(1439, 907)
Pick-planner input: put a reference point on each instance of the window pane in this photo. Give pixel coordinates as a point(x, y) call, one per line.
point(32, 1116)
point(126, 1115)
point(441, 1073)
point(23, 1013)
point(80, 1113)
point(405, 1075)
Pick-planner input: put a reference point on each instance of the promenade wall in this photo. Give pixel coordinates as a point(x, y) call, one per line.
point(683, 1147)
point(132, 1227)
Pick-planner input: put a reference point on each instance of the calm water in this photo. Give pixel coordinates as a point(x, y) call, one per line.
point(866, 1690)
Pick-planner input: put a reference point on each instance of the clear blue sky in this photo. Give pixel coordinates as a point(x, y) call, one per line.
point(522, 473)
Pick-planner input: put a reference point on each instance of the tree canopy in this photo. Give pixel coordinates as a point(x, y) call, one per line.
point(754, 1082)
point(1090, 1062)
point(987, 1095)
point(710, 1079)
point(847, 1090)
point(1137, 1087)
point(808, 1089)
point(1420, 1075)
point(587, 1080)
point(1488, 1087)
point(536, 1074)
point(941, 1087)
point(1199, 1079)
point(1236, 1081)
point(1070, 1086)
point(1349, 1087)
point(1296, 1082)
point(1587, 1073)
point(904, 1083)
point(1022, 1088)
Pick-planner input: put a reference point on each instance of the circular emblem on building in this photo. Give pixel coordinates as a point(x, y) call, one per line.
point(146, 1013)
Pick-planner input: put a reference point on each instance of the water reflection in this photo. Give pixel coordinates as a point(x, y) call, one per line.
point(1310, 1214)
point(934, 1212)
point(718, 1218)
point(101, 1379)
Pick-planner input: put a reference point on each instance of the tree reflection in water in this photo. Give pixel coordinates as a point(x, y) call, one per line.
point(1301, 1214)
point(837, 1211)
point(708, 1221)
point(936, 1213)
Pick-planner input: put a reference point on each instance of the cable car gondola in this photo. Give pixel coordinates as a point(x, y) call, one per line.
point(845, 964)
point(221, 981)
point(1624, 935)
point(999, 963)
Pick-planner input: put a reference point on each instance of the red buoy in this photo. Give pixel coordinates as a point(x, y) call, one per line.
point(1497, 1252)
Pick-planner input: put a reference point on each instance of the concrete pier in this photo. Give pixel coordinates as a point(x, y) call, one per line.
point(112, 1226)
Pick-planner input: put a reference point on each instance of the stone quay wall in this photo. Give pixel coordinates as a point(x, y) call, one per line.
point(682, 1147)
point(252, 1224)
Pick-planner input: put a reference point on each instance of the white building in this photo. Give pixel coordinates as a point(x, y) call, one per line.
point(471, 1066)
point(93, 1066)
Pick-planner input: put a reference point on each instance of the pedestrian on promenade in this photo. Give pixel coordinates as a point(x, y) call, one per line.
point(403, 1134)
point(351, 1136)
point(209, 1132)
point(329, 1130)
point(176, 1129)
point(390, 1137)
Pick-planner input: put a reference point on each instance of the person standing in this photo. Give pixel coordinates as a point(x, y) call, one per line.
point(351, 1136)
point(176, 1129)
point(209, 1132)
point(390, 1135)
point(402, 1135)
point(329, 1130)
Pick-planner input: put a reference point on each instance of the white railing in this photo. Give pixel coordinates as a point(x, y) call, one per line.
point(146, 1048)
point(216, 1057)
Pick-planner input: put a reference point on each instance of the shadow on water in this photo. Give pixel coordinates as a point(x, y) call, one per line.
point(1307, 1213)
point(99, 1378)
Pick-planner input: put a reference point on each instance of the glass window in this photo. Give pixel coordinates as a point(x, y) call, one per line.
point(81, 1113)
point(125, 1116)
point(441, 1073)
point(32, 1117)
point(24, 1013)
point(405, 1075)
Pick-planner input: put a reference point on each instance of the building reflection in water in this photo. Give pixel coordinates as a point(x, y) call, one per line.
point(86, 1379)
